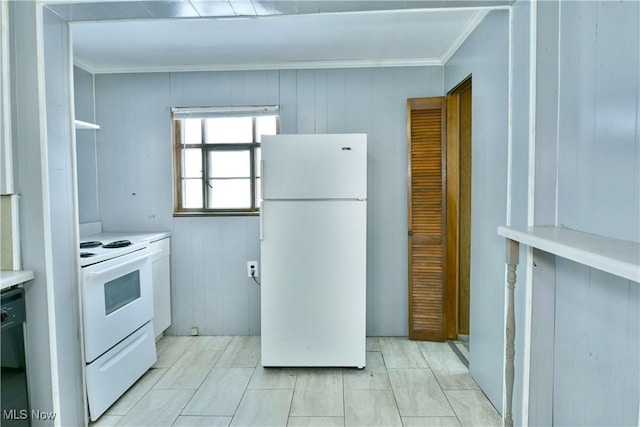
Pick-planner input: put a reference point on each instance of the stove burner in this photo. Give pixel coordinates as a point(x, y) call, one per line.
point(117, 244)
point(86, 254)
point(93, 244)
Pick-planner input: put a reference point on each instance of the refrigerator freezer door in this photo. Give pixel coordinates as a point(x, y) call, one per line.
point(314, 283)
point(315, 166)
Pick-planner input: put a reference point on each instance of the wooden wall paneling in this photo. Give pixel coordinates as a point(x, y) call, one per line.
point(272, 95)
point(578, 47)
point(182, 314)
point(30, 183)
point(321, 101)
point(306, 101)
point(112, 98)
point(213, 273)
point(542, 212)
point(613, 397)
point(602, 150)
point(619, 86)
point(572, 297)
point(542, 339)
point(230, 302)
point(598, 381)
point(287, 101)
point(403, 83)
point(252, 226)
point(546, 114)
point(337, 105)
point(236, 81)
point(199, 256)
point(235, 284)
point(485, 55)
point(85, 148)
point(154, 149)
point(61, 218)
point(381, 301)
point(254, 88)
point(6, 148)
point(359, 92)
point(518, 198)
point(598, 169)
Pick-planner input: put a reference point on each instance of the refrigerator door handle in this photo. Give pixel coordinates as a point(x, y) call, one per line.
point(261, 221)
point(262, 178)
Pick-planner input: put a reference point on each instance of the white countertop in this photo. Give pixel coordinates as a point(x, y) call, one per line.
point(618, 257)
point(108, 236)
point(9, 278)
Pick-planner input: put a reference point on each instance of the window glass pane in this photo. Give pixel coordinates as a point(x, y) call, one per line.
point(265, 125)
point(192, 131)
point(229, 194)
point(192, 163)
point(223, 130)
point(121, 291)
point(229, 164)
point(192, 193)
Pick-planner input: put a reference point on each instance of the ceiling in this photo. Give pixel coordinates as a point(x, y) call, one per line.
point(193, 35)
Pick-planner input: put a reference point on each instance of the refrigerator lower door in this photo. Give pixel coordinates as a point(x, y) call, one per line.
point(314, 283)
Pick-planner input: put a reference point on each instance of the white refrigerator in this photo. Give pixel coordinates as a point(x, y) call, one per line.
point(313, 232)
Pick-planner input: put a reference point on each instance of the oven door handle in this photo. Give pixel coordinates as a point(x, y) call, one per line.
point(119, 266)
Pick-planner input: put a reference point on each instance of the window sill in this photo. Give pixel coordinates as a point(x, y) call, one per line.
point(214, 214)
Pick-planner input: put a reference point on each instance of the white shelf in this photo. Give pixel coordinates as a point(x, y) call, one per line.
point(618, 257)
point(10, 278)
point(86, 125)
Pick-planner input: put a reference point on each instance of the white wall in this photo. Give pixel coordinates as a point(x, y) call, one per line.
point(209, 285)
point(597, 327)
point(85, 147)
point(62, 222)
point(6, 156)
point(484, 55)
point(518, 208)
point(26, 116)
point(43, 148)
point(584, 173)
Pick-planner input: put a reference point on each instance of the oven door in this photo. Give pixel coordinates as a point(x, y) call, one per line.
point(117, 299)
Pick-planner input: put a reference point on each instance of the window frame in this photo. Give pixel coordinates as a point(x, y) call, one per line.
point(177, 120)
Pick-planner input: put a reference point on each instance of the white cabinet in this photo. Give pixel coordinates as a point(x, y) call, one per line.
point(160, 255)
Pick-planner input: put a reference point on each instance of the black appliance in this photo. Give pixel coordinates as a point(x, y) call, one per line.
point(13, 375)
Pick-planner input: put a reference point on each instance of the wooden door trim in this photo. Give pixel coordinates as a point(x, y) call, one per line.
point(427, 104)
point(452, 214)
point(454, 201)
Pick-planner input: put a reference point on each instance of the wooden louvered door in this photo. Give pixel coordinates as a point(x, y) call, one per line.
point(426, 120)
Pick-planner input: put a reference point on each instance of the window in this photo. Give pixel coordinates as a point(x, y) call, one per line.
point(217, 158)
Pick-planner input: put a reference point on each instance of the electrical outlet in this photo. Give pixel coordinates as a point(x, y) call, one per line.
point(252, 269)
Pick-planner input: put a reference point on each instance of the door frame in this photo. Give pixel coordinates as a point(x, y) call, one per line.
point(453, 213)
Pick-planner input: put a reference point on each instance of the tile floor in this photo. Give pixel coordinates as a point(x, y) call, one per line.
point(218, 381)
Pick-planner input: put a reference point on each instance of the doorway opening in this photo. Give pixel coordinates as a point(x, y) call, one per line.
point(439, 141)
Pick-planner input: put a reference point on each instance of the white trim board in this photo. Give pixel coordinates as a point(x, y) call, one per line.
point(618, 257)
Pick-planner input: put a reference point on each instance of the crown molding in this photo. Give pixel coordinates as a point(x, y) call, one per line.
point(84, 65)
point(288, 65)
point(466, 31)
